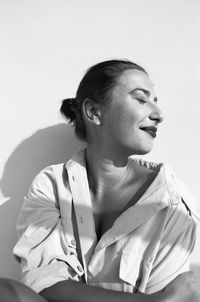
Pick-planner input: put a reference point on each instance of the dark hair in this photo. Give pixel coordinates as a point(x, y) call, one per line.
point(97, 85)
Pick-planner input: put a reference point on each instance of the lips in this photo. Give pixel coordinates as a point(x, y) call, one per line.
point(150, 130)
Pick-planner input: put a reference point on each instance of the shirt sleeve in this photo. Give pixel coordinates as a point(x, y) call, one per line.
point(42, 249)
point(176, 244)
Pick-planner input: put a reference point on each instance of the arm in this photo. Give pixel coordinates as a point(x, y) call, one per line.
point(175, 248)
point(45, 248)
point(182, 289)
point(72, 291)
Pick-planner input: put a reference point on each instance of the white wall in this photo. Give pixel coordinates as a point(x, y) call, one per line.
point(46, 45)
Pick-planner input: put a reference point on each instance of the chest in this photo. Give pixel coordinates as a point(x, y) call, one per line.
point(113, 204)
point(124, 259)
point(104, 221)
point(111, 208)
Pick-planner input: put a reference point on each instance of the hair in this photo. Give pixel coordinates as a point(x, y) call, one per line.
point(97, 84)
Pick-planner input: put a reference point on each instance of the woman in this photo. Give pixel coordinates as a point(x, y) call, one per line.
point(106, 225)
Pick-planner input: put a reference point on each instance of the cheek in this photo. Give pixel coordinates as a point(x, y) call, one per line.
point(123, 120)
point(125, 126)
point(129, 119)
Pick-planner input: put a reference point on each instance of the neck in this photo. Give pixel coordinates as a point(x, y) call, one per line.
point(105, 169)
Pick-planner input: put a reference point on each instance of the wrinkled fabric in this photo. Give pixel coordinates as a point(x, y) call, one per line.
point(148, 245)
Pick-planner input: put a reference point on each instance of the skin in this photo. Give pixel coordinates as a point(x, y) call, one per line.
point(116, 133)
point(113, 136)
point(182, 289)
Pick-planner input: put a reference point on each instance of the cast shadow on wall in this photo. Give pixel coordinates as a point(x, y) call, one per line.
point(45, 147)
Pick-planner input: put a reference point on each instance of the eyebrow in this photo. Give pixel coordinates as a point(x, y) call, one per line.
point(146, 92)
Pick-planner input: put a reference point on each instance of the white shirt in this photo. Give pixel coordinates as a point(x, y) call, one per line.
point(148, 245)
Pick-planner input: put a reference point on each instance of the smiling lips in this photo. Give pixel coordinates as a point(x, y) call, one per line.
point(150, 130)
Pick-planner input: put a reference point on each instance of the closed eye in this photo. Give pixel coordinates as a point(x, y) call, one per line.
point(141, 100)
point(139, 94)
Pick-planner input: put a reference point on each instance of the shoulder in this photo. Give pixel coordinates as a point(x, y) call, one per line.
point(51, 173)
point(172, 191)
point(49, 180)
point(179, 193)
point(53, 179)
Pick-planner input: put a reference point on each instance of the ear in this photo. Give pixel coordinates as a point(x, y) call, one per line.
point(92, 111)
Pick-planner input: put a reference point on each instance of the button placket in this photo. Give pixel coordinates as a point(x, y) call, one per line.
point(73, 242)
point(79, 268)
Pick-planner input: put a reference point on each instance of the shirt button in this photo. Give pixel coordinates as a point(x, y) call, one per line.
point(79, 268)
point(176, 195)
point(73, 242)
point(159, 204)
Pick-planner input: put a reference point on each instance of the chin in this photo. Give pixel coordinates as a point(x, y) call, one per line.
point(142, 150)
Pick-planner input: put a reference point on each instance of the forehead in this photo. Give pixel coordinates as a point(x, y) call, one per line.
point(131, 79)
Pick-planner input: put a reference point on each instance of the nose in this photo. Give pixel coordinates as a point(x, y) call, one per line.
point(156, 114)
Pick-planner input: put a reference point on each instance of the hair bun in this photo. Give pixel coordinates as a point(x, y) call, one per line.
point(68, 108)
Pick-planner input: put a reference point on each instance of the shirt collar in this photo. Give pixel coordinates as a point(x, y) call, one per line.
point(155, 198)
point(79, 188)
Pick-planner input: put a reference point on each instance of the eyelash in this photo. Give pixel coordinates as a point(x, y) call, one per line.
point(143, 101)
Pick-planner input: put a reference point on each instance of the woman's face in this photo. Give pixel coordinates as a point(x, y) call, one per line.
point(130, 122)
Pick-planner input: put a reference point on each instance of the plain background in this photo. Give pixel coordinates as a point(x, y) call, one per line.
point(45, 48)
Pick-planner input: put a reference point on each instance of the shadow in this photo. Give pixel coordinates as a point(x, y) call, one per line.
point(196, 268)
point(47, 146)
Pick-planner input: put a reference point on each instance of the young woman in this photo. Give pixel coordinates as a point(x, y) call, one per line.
point(106, 226)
